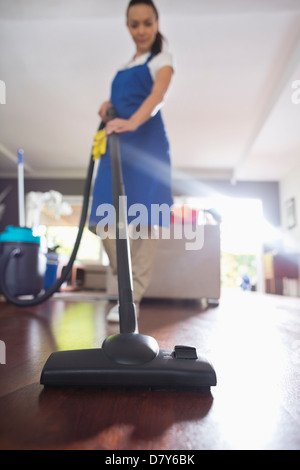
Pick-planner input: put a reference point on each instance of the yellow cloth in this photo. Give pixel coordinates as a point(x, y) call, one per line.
point(100, 142)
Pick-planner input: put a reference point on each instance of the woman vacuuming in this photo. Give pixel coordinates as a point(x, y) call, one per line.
point(137, 94)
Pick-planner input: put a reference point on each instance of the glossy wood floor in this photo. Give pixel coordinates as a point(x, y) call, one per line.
point(252, 340)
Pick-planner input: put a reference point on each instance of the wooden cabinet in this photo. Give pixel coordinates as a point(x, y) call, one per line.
point(278, 267)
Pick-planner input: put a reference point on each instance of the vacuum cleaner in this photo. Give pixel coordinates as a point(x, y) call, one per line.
point(127, 360)
point(19, 253)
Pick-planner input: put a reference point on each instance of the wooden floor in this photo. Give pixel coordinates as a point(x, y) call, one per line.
point(252, 340)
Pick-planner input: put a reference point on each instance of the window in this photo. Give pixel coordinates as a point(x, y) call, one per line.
point(62, 232)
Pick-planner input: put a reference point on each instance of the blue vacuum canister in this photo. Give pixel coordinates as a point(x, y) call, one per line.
point(22, 260)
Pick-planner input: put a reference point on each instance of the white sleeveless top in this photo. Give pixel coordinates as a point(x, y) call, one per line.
point(160, 60)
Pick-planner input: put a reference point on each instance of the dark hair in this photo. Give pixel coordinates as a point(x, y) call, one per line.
point(158, 43)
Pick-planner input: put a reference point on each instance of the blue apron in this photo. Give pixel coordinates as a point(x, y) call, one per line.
point(145, 155)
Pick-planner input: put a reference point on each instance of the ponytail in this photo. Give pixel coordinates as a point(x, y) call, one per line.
point(157, 46)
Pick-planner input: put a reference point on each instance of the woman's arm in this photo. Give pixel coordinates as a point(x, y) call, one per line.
point(147, 108)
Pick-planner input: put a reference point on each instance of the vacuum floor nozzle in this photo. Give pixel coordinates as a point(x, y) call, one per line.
point(180, 369)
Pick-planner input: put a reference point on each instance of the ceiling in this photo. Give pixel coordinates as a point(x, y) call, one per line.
point(229, 112)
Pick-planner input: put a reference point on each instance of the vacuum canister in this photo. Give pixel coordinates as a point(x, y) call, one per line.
point(24, 271)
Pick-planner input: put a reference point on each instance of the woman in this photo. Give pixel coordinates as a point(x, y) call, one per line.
point(137, 93)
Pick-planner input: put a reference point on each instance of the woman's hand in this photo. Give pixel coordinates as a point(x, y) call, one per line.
point(120, 125)
point(103, 110)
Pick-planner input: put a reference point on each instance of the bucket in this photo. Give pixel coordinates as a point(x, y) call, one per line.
point(24, 274)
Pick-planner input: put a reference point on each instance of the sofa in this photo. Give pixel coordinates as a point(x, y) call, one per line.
point(179, 273)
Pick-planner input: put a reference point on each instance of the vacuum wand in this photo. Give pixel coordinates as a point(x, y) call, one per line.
point(128, 320)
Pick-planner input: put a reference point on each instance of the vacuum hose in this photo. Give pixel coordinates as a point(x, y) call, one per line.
point(18, 252)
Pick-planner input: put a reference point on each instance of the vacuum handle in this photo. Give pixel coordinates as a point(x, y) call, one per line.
point(101, 126)
point(112, 113)
point(128, 319)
